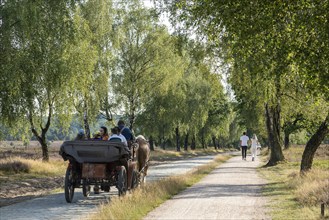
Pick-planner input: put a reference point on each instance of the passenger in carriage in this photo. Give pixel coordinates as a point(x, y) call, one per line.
point(126, 132)
point(81, 135)
point(97, 136)
point(104, 134)
point(117, 137)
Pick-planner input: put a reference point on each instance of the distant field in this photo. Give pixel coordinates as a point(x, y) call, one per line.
point(20, 144)
point(31, 151)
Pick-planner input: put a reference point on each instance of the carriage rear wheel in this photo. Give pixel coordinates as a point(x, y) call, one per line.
point(69, 184)
point(122, 181)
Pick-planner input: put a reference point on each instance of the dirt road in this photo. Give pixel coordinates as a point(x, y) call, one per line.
point(55, 206)
point(232, 191)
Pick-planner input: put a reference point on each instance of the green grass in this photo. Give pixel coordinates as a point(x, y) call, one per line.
point(292, 196)
point(145, 199)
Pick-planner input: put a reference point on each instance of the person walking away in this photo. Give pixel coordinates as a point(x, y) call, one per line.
point(253, 149)
point(244, 145)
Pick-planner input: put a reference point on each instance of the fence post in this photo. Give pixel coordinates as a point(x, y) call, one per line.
point(322, 209)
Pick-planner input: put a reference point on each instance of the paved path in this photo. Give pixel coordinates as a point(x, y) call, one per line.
point(231, 191)
point(55, 206)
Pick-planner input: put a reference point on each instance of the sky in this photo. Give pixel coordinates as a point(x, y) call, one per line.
point(164, 19)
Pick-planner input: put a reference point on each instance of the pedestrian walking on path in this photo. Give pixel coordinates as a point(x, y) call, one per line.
point(244, 139)
point(253, 149)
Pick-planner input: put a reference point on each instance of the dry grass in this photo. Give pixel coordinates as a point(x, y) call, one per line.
point(32, 167)
point(14, 166)
point(142, 200)
point(295, 196)
point(171, 154)
point(314, 192)
point(29, 151)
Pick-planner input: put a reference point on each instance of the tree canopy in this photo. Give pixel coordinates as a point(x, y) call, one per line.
point(114, 59)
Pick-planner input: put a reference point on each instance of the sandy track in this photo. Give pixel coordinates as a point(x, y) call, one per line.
point(231, 191)
point(55, 207)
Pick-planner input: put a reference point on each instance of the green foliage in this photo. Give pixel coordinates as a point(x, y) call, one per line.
point(146, 62)
point(61, 61)
point(49, 64)
point(299, 137)
point(276, 55)
point(194, 103)
point(33, 74)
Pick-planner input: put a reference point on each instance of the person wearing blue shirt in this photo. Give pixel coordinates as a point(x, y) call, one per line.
point(126, 132)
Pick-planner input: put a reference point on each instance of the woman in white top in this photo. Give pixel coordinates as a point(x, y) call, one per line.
point(253, 149)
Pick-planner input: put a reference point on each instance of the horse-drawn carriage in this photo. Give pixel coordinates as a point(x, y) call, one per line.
point(102, 163)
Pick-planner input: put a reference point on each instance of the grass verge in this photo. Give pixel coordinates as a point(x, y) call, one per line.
point(293, 196)
point(143, 200)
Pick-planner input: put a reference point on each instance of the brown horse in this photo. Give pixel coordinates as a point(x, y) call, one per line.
point(143, 156)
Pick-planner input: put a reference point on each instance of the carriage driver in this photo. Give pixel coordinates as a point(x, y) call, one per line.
point(126, 132)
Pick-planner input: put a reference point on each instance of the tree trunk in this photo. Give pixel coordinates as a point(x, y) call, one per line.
point(44, 147)
point(193, 142)
point(313, 144)
point(151, 143)
point(132, 114)
point(42, 138)
point(203, 142)
point(273, 130)
point(131, 121)
point(107, 108)
point(162, 141)
point(177, 139)
point(290, 127)
point(186, 142)
point(42, 141)
point(86, 121)
point(214, 142)
point(286, 140)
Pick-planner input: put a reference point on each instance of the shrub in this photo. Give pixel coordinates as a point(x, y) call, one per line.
point(313, 193)
point(14, 166)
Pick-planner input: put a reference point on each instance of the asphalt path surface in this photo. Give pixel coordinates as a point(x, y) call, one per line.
point(55, 207)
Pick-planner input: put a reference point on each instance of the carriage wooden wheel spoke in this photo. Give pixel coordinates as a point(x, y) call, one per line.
point(69, 184)
point(122, 181)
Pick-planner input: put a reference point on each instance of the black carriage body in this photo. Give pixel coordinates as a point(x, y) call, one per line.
point(94, 151)
point(94, 162)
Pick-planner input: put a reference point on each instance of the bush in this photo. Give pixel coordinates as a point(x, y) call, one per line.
point(14, 166)
point(314, 193)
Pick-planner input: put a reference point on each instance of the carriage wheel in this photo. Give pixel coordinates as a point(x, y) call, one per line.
point(122, 181)
point(85, 189)
point(69, 184)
